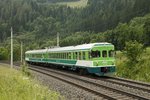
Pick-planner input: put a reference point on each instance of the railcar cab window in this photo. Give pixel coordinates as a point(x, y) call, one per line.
point(89, 55)
point(95, 54)
point(104, 53)
point(111, 53)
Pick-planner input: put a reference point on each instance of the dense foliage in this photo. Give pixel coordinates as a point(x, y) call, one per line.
point(3, 53)
point(136, 29)
point(134, 62)
point(46, 19)
point(133, 51)
point(55, 1)
point(36, 23)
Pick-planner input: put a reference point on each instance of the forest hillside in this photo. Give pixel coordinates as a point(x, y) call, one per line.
point(36, 23)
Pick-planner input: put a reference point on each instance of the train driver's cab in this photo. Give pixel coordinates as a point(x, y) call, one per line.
point(102, 53)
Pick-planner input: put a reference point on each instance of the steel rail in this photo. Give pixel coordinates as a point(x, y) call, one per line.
point(75, 84)
point(100, 85)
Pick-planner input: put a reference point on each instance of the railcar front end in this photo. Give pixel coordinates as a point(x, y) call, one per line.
point(101, 60)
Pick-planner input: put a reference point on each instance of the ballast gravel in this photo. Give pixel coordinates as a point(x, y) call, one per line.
point(68, 91)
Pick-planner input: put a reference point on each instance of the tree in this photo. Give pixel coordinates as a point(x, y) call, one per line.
point(130, 67)
point(133, 51)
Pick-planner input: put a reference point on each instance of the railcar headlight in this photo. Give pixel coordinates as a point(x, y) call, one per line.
point(95, 63)
point(113, 63)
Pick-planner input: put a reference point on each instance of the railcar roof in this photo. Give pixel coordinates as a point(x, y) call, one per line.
point(70, 48)
point(36, 51)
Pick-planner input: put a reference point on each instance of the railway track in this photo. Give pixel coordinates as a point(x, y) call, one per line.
point(108, 88)
point(130, 83)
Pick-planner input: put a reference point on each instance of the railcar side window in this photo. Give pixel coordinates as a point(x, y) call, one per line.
point(56, 55)
point(38, 55)
point(49, 55)
point(62, 55)
point(66, 55)
point(79, 56)
point(104, 53)
point(69, 55)
point(83, 55)
point(52, 55)
point(95, 54)
point(89, 55)
point(75, 55)
point(33, 55)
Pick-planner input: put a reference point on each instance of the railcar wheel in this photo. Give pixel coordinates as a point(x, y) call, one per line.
point(83, 71)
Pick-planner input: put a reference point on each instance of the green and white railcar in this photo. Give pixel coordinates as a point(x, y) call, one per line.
point(97, 58)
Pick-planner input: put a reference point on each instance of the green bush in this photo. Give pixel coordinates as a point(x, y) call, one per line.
point(25, 70)
point(133, 51)
point(134, 63)
point(3, 53)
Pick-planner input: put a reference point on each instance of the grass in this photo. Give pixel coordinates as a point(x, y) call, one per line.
point(75, 4)
point(15, 86)
point(139, 71)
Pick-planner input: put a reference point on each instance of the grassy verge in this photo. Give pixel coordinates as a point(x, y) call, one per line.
point(15, 86)
point(75, 4)
point(140, 71)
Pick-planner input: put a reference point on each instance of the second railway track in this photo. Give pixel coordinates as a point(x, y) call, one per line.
point(109, 88)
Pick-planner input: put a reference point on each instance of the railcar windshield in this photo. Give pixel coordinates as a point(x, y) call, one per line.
point(104, 53)
point(95, 54)
point(111, 53)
